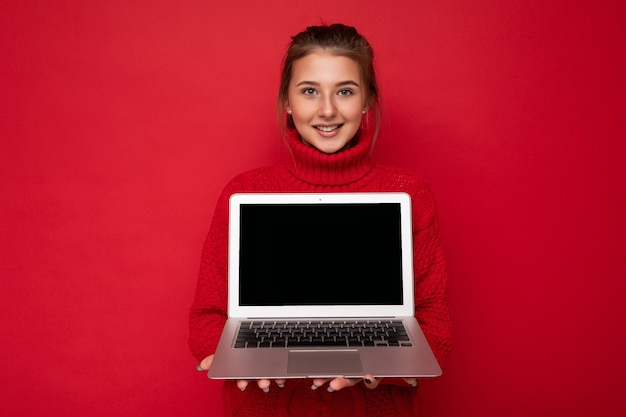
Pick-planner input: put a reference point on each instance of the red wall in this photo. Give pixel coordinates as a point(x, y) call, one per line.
point(120, 121)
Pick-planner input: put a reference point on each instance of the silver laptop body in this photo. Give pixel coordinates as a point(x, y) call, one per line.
point(321, 285)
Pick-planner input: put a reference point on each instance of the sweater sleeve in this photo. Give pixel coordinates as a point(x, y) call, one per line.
point(431, 281)
point(209, 309)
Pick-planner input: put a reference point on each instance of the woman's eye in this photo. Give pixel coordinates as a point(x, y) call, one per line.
point(345, 92)
point(308, 91)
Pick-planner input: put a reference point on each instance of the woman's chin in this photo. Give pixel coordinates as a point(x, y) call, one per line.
point(328, 146)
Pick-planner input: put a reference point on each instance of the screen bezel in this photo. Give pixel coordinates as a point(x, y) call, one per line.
point(406, 307)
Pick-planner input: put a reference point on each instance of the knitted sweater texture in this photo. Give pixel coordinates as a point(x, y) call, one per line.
point(309, 170)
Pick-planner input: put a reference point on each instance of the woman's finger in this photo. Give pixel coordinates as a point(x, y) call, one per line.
point(341, 383)
point(318, 382)
point(264, 384)
point(242, 384)
point(205, 364)
point(370, 381)
point(411, 381)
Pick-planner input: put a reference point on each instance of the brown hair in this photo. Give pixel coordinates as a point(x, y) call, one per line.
point(339, 40)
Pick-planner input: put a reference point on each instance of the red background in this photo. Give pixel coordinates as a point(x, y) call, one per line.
point(122, 120)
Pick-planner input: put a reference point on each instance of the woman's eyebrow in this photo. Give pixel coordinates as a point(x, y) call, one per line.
point(349, 82)
point(340, 84)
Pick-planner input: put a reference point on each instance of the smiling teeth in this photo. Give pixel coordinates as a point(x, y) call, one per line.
point(327, 128)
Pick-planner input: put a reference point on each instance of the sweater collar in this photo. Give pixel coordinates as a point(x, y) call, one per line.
point(343, 167)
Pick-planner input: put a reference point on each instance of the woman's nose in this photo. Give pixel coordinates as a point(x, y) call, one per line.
point(327, 107)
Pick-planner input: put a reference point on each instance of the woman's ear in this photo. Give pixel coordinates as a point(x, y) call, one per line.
point(366, 106)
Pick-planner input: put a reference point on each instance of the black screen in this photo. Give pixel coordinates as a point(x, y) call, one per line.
point(320, 254)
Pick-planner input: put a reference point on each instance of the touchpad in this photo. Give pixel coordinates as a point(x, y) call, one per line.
point(327, 362)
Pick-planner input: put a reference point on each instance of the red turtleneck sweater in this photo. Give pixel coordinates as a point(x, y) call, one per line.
point(309, 170)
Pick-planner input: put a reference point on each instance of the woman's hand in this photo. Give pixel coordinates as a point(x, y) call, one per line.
point(340, 383)
point(333, 384)
point(242, 384)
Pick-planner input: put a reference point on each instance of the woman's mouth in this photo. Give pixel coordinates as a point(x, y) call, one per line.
point(328, 129)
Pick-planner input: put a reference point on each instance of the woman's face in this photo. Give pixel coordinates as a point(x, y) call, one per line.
point(326, 100)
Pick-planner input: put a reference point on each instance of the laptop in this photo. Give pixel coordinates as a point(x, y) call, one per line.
point(321, 286)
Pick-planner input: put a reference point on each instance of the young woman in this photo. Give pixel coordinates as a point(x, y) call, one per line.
point(329, 106)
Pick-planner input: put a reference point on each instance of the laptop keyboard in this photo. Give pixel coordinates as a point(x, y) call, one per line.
point(320, 333)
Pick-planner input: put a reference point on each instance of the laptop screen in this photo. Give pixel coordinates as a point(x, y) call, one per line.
point(320, 254)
